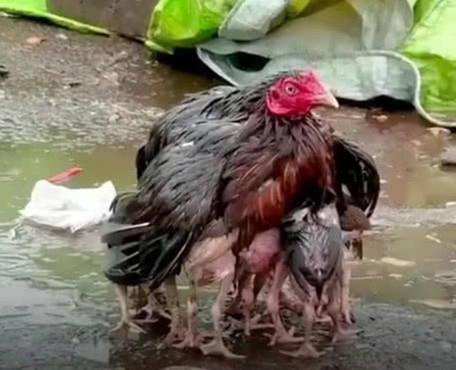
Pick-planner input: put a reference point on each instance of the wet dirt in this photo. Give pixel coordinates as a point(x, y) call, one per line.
point(89, 101)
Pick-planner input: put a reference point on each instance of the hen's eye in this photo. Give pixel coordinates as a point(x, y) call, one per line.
point(290, 90)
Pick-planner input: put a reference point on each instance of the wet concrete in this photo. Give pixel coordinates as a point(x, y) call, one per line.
point(89, 101)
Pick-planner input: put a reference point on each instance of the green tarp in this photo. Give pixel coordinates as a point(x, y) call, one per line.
point(38, 8)
point(364, 48)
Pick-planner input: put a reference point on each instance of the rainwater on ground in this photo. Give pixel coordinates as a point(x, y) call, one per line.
point(89, 101)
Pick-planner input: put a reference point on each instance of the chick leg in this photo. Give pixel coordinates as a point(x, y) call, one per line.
point(172, 298)
point(344, 282)
point(247, 301)
point(191, 338)
point(125, 316)
point(253, 323)
point(306, 349)
point(334, 311)
point(280, 335)
point(216, 346)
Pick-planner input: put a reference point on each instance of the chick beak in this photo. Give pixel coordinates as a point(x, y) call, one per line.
point(328, 99)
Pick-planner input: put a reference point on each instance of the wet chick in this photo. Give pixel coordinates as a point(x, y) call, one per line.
point(212, 262)
point(354, 222)
point(254, 269)
point(315, 254)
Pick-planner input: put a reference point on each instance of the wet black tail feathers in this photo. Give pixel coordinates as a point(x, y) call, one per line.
point(138, 254)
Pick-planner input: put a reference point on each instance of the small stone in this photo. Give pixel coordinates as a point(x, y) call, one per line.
point(437, 131)
point(114, 118)
point(61, 36)
point(448, 157)
point(35, 40)
point(446, 346)
point(380, 118)
point(3, 71)
point(71, 82)
point(75, 341)
point(2, 95)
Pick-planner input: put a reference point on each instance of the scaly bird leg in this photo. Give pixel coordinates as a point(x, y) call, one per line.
point(344, 282)
point(191, 338)
point(253, 323)
point(306, 349)
point(334, 311)
point(125, 317)
point(248, 300)
point(216, 346)
point(281, 335)
point(172, 298)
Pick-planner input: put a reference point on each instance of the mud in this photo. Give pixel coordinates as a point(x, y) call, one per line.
point(89, 101)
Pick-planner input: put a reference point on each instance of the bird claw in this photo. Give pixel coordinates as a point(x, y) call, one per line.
point(306, 350)
point(349, 317)
point(283, 338)
point(173, 336)
point(129, 323)
point(340, 335)
point(191, 340)
point(217, 348)
point(255, 325)
point(150, 317)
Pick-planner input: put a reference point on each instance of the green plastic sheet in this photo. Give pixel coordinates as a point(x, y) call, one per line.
point(38, 9)
point(185, 23)
point(364, 48)
point(432, 47)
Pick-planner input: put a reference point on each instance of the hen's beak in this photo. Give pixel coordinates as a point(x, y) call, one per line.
point(328, 99)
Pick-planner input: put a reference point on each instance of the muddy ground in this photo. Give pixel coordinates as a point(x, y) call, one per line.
point(89, 100)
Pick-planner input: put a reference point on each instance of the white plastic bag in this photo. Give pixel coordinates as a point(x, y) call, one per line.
point(63, 208)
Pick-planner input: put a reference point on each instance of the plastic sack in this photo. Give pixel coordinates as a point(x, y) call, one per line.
point(252, 19)
point(64, 208)
point(185, 23)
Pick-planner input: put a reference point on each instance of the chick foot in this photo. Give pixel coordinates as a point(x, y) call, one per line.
point(217, 348)
point(306, 350)
point(254, 324)
point(284, 337)
point(129, 323)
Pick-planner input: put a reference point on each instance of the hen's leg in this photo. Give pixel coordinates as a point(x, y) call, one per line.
point(125, 317)
point(191, 339)
point(216, 346)
point(306, 349)
point(280, 335)
point(172, 298)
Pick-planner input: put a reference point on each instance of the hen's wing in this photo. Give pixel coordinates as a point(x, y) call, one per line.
point(166, 217)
